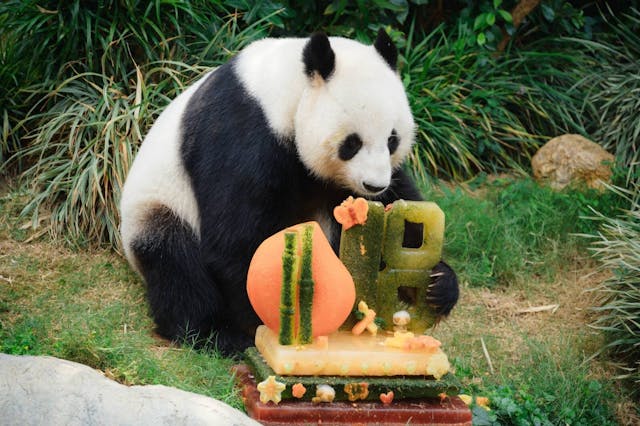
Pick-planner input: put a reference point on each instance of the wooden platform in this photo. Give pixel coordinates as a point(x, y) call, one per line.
point(429, 411)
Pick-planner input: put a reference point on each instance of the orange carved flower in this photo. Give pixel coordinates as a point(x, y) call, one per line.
point(483, 402)
point(298, 390)
point(351, 212)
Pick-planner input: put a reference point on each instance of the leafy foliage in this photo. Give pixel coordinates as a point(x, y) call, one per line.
point(488, 24)
point(567, 395)
point(355, 19)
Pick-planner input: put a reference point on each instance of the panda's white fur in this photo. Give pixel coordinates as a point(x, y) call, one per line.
point(363, 95)
point(157, 176)
point(247, 150)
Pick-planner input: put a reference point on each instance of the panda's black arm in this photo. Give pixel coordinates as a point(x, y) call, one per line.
point(443, 291)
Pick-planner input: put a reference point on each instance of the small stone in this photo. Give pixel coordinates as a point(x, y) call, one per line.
point(572, 160)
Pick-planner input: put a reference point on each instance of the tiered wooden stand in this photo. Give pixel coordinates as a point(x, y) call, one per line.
point(448, 411)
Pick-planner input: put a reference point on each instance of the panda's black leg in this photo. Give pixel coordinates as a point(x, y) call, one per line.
point(184, 302)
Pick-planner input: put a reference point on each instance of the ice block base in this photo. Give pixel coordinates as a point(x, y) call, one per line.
point(348, 355)
point(450, 411)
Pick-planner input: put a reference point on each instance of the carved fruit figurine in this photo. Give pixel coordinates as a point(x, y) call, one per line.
point(332, 286)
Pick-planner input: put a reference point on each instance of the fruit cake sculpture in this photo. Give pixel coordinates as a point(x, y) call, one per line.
point(350, 328)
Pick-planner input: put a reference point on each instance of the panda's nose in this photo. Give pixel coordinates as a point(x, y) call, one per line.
point(373, 188)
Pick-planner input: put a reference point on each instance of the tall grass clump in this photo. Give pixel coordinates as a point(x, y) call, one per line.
point(82, 145)
point(615, 92)
point(89, 80)
point(479, 112)
point(617, 246)
point(45, 42)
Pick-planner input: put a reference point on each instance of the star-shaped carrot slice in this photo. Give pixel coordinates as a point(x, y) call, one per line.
point(483, 402)
point(271, 390)
point(351, 212)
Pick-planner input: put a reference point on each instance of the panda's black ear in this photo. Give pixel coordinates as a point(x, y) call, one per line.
point(318, 56)
point(386, 48)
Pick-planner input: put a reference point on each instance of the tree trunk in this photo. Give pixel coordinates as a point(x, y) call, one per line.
point(519, 12)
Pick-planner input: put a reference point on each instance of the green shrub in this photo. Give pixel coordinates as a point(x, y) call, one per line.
point(45, 42)
point(617, 247)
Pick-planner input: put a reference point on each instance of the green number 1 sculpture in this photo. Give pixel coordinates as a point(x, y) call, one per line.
point(390, 274)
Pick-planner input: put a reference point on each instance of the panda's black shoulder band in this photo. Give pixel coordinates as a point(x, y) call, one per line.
point(318, 56)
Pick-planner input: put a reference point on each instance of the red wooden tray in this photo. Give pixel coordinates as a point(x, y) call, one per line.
point(450, 412)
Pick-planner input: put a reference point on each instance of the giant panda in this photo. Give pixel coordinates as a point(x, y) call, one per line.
point(279, 135)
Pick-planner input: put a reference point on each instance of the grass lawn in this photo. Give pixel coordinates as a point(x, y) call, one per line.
point(519, 335)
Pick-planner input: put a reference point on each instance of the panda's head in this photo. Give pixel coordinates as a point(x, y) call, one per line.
point(353, 125)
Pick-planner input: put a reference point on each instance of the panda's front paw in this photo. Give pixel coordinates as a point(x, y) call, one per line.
point(443, 291)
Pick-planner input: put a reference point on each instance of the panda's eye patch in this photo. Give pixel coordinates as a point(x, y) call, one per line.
point(349, 147)
point(393, 142)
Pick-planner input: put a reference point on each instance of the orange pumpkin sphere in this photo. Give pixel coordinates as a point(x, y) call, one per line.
point(333, 293)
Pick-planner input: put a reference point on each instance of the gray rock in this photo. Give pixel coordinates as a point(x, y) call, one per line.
point(51, 391)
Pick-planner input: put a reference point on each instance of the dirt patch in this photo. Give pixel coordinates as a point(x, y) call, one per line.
point(627, 413)
point(505, 318)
